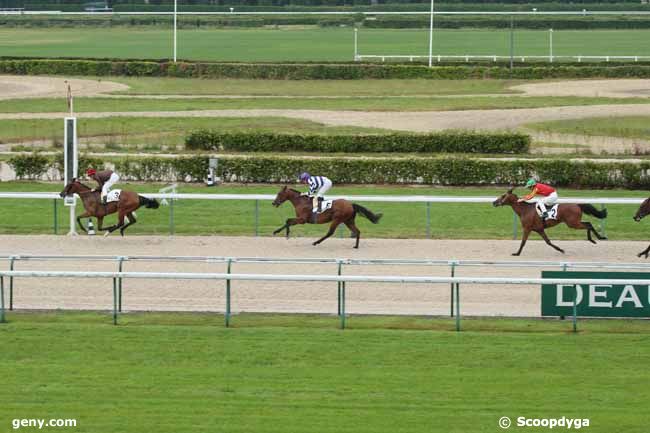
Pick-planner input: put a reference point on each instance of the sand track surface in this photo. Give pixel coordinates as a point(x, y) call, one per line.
point(362, 298)
point(16, 86)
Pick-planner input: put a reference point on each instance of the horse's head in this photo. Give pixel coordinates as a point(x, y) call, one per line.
point(282, 196)
point(644, 210)
point(508, 198)
point(71, 188)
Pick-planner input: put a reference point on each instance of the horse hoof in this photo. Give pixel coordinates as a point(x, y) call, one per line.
point(562, 251)
point(107, 233)
point(516, 254)
point(315, 243)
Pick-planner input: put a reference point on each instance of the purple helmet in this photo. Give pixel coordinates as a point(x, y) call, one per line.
point(304, 176)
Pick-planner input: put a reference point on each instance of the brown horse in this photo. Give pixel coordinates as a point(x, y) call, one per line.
point(342, 211)
point(644, 210)
point(129, 201)
point(570, 214)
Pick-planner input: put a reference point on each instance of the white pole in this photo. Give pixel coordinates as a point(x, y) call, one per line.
point(550, 41)
point(431, 34)
point(175, 13)
point(356, 37)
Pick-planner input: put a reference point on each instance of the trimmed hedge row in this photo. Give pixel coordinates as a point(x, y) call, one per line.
point(310, 71)
point(446, 142)
point(439, 171)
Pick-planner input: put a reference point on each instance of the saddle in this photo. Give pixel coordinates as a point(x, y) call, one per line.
point(551, 213)
point(325, 205)
point(113, 196)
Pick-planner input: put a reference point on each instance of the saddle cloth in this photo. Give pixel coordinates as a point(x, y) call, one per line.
point(325, 205)
point(550, 212)
point(113, 196)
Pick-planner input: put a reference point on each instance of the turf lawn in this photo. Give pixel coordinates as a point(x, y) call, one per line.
point(187, 373)
point(625, 127)
point(304, 43)
point(199, 217)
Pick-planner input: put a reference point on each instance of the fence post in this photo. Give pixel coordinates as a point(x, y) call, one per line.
point(514, 225)
point(257, 218)
point(342, 304)
point(338, 283)
point(228, 294)
point(575, 309)
point(171, 216)
point(428, 220)
point(457, 306)
point(56, 218)
point(11, 284)
point(119, 285)
point(114, 301)
point(451, 289)
point(602, 222)
point(2, 299)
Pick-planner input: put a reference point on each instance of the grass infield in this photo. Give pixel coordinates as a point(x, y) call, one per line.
point(186, 372)
point(230, 217)
point(624, 127)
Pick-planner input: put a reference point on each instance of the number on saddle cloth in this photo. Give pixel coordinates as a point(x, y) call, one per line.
point(325, 205)
point(113, 196)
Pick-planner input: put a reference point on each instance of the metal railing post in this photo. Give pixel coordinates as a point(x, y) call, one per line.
point(343, 305)
point(227, 318)
point(257, 218)
point(575, 309)
point(453, 274)
point(457, 306)
point(119, 285)
point(428, 220)
point(2, 299)
point(338, 283)
point(171, 216)
point(11, 284)
point(56, 218)
point(603, 222)
point(114, 301)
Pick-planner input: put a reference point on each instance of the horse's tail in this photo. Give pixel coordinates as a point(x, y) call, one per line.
point(374, 218)
point(590, 210)
point(149, 202)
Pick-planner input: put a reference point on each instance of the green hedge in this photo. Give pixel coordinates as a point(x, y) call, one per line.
point(311, 71)
point(445, 142)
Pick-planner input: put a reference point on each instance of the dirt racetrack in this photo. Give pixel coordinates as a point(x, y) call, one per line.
point(363, 298)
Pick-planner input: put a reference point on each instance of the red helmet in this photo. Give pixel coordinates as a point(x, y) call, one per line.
point(91, 172)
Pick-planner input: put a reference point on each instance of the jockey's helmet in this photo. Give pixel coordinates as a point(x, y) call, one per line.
point(91, 172)
point(304, 176)
point(531, 183)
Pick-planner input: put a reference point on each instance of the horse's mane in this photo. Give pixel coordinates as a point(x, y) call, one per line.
point(294, 190)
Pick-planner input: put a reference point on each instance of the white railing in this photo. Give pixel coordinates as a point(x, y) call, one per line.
point(370, 13)
point(117, 277)
point(494, 58)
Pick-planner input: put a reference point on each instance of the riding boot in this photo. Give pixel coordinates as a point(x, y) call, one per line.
point(320, 204)
point(104, 199)
point(314, 217)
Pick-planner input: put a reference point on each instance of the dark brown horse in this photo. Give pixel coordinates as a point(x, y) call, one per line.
point(644, 210)
point(342, 211)
point(570, 214)
point(129, 201)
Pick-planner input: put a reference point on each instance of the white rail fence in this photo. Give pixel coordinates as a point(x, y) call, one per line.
point(256, 198)
point(342, 280)
point(339, 278)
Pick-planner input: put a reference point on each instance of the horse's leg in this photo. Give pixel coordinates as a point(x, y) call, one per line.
point(100, 223)
point(120, 223)
point(290, 222)
point(132, 221)
point(542, 233)
point(524, 238)
point(329, 233)
point(591, 228)
point(81, 226)
point(644, 252)
point(355, 231)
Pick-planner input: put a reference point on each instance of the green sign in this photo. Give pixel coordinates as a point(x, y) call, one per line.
point(600, 300)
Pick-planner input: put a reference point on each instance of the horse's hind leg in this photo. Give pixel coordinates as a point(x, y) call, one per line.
point(644, 252)
point(132, 221)
point(329, 233)
point(355, 231)
point(542, 233)
point(591, 228)
point(120, 223)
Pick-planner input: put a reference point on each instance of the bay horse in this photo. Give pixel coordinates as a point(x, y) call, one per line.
point(570, 214)
point(342, 211)
point(129, 201)
point(644, 210)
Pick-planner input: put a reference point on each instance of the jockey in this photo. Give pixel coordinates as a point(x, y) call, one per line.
point(548, 193)
point(105, 180)
point(318, 186)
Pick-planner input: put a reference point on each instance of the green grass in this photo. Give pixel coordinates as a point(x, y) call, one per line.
point(364, 104)
point(626, 127)
point(174, 373)
point(225, 217)
point(308, 43)
point(168, 132)
point(311, 88)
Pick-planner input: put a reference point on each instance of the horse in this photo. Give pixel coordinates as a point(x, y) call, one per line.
point(644, 210)
point(129, 201)
point(570, 214)
point(342, 211)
